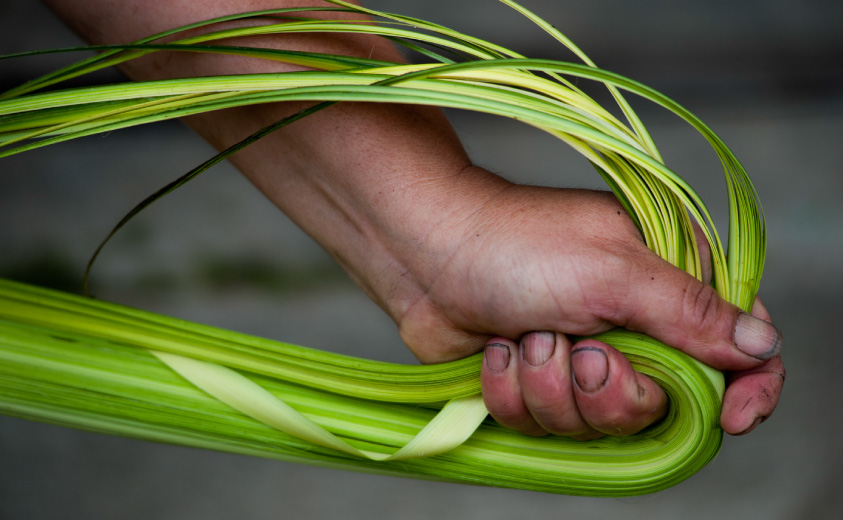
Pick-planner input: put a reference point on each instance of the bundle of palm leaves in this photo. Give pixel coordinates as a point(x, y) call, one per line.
point(89, 364)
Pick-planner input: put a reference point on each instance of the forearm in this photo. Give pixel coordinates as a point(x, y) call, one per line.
point(360, 178)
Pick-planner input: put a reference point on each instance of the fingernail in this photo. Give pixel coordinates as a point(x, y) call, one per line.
point(537, 347)
point(591, 368)
point(756, 337)
point(496, 356)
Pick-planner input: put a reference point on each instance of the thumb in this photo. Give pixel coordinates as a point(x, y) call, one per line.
point(674, 307)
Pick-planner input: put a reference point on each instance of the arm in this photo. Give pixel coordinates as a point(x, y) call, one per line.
point(461, 258)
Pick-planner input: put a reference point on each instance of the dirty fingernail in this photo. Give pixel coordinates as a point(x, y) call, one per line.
point(591, 368)
point(497, 357)
point(537, 347)
point(756, 337)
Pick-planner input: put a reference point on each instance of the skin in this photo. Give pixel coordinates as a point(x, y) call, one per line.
point(459, 257)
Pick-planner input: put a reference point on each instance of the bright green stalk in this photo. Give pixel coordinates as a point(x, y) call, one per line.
point(103, 367)
point(79, 362)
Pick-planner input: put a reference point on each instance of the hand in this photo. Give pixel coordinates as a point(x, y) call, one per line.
point(459, 257)
point(537, 264)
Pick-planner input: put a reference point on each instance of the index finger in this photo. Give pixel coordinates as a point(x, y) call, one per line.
point(752, 395)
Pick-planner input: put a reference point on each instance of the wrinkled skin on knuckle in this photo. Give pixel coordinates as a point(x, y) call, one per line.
point(510, 410)
point(432, 338)
point(507, 411)
point(700, 305)
point(707, 320)
point(558, 419)
point(617, 419)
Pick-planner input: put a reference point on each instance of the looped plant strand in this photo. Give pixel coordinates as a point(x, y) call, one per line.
point(332, 410)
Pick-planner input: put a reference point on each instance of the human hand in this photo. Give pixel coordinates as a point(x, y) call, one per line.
point(535, 265)
point(460, 258)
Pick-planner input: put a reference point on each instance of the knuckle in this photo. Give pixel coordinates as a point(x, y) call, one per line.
point(549, 413)
point(621, 417)
point(558, 418)
point(507, 409)
point(702, 308)
point(616, 423)
point(569, 424)
point(432, 339)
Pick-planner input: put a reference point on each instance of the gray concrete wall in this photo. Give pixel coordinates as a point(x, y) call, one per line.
point(764, 75)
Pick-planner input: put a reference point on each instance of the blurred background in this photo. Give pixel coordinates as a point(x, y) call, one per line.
point(766, 75)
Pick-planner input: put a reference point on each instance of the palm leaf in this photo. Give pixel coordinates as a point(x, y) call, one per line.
point(99, 366)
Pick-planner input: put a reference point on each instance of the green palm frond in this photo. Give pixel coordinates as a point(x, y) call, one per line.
point(99, 366)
